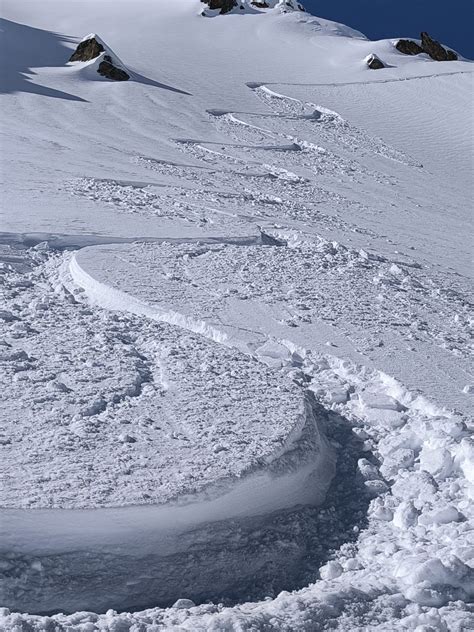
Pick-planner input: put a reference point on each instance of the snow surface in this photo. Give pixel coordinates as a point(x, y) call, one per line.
point(251, 257)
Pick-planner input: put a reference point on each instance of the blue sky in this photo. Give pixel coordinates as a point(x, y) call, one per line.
point(450, 21)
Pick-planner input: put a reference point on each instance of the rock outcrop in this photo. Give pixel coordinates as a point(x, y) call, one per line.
point(226, 6)
point(87, 49)
point(223, 5)
point(108, 65)
point(435, 50)
point(108, 70)
point(429, 46)
point(374, 62)
point(408, 47)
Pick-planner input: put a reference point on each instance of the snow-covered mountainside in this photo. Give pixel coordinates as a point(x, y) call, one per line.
point(235, 340)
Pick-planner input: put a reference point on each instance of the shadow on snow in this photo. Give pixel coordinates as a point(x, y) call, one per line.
point(232, 561)
point(24, 48)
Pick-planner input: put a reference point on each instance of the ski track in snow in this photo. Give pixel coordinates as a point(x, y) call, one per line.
point(361, 83)
point(235, 329)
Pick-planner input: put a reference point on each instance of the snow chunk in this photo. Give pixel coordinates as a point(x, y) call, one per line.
point(440, 515)
point(367, 470)
point(380, 401)
point(183, 604)
point(331, 570)
point(405, 515)
point(436, 461)
point(430, 582)
point(411, 485)
point(464, 458)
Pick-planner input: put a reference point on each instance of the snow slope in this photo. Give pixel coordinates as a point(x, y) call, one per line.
point(284, 237)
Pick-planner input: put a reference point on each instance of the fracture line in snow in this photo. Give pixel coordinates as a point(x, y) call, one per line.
point(114, 299)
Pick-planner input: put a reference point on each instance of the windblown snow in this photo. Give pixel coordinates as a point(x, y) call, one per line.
point(236, 324)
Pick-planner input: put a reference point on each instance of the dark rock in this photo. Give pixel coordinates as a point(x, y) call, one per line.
point(434, 48)
point(87, 50)
point(374, 62)
point(408, 47)
point(224, 5)
point(429, 46)
point(109, 67)
point(108, 70)
point(295, 5)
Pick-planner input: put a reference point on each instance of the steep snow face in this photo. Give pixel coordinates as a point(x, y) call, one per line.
point(272, 266)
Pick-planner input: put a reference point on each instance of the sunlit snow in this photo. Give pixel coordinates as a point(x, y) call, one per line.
point(235, 328)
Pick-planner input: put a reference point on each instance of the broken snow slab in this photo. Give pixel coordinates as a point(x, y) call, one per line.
point(131, 447)
point(151, 413)
point(243, 294)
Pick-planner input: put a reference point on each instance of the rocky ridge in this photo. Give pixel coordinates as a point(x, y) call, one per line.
point(227, 6)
